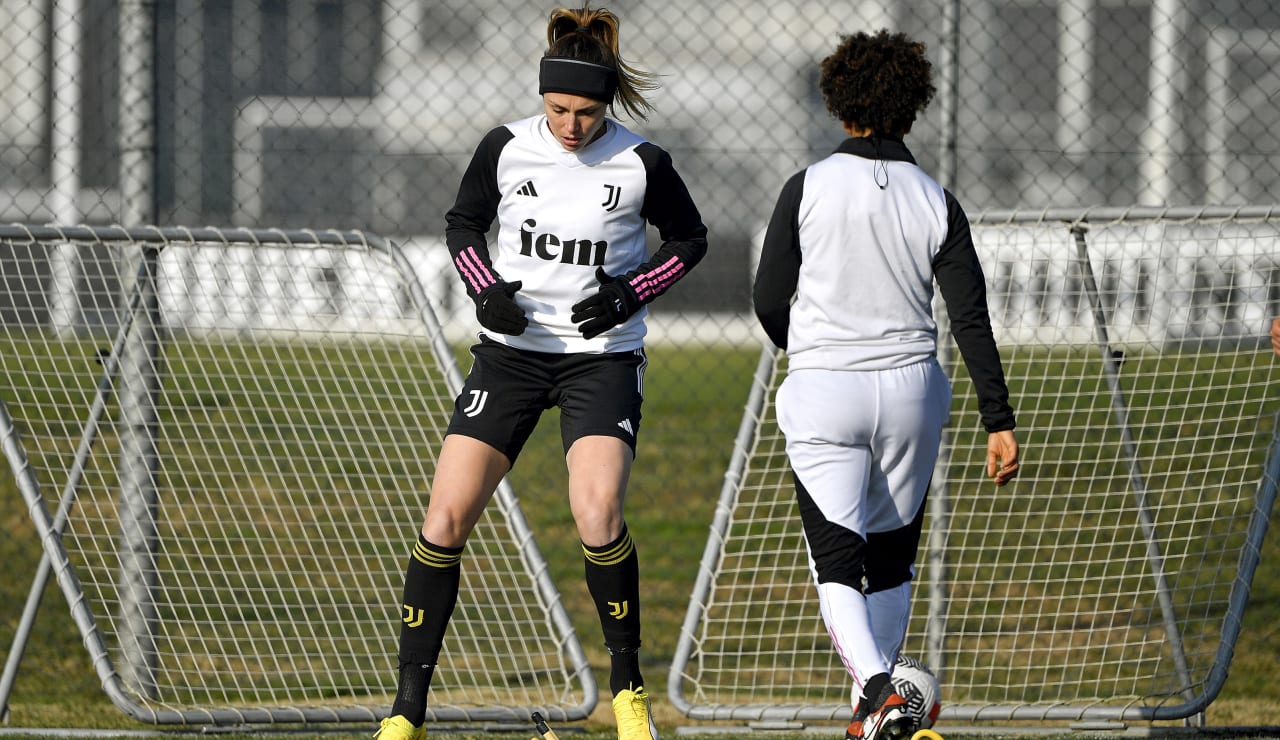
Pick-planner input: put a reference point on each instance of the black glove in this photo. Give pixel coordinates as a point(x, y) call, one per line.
point(497, 310)
point(613, 304)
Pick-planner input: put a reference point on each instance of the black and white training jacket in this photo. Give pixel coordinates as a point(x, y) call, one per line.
point(857, 239)
point(561, 215)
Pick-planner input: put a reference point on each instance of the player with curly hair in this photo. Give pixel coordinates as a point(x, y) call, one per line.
point(561, 298)
point(845, 285)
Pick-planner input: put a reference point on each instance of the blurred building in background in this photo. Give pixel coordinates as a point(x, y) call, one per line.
point(361, 114)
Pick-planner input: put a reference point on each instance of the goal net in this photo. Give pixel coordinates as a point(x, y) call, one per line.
point(225, 440)
point(1108, 581)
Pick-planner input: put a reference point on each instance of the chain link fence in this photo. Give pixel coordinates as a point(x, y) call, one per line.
point(362, 113)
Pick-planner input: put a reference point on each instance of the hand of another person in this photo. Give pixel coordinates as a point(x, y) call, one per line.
point(1002, 456)
point(1275, 334)
point(498, 311)
point(613, 304)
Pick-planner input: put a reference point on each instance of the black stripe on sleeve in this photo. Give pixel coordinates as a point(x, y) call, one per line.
point(670, 208)
point(778, 273)
point(476, 205)
point(964, 290)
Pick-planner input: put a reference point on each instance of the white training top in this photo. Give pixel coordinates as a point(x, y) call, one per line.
point(866, 283)
point(847, 271)
point(561, 215)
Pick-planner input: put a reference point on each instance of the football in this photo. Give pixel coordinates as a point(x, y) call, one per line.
point(914, 682)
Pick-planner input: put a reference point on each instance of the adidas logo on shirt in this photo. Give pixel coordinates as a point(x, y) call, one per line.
point(528, 189)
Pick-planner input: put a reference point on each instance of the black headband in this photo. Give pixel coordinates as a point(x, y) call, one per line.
point(574, 77)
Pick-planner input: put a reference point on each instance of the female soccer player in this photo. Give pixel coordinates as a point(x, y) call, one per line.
point(561, 296)
point(857, 240)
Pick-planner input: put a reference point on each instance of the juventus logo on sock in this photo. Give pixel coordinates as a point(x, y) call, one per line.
point(412, 615)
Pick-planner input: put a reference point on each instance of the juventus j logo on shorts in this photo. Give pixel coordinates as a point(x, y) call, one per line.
point(478, 399)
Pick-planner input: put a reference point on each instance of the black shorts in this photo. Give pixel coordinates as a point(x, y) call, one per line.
point(508, 389)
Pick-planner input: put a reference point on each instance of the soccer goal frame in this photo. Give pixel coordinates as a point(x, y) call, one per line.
point(224, 438)
point(1108, 582)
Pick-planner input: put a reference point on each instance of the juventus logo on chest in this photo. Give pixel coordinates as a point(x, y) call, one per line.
point(613, 195)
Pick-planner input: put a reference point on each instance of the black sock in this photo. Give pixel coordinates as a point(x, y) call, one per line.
point(613, 579)
point(624, 670)
point(430, 594)
point(411, 697)
point(876, 691)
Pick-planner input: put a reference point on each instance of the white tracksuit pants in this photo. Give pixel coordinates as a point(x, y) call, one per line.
point(863, 444)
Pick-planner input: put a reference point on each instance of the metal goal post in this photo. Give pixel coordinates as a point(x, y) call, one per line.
point(1108, 582)
point(224, 437)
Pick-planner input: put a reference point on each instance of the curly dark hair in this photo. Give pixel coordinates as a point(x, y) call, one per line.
point(879, 82)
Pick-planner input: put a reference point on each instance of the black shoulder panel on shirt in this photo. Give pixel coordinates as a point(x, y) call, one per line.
point(667, 202)
point(651, 154)
point(476, 204)
point(778, 271)
point(495, 140)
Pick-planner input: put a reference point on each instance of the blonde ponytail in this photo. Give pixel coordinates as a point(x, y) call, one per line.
point(591, 35)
